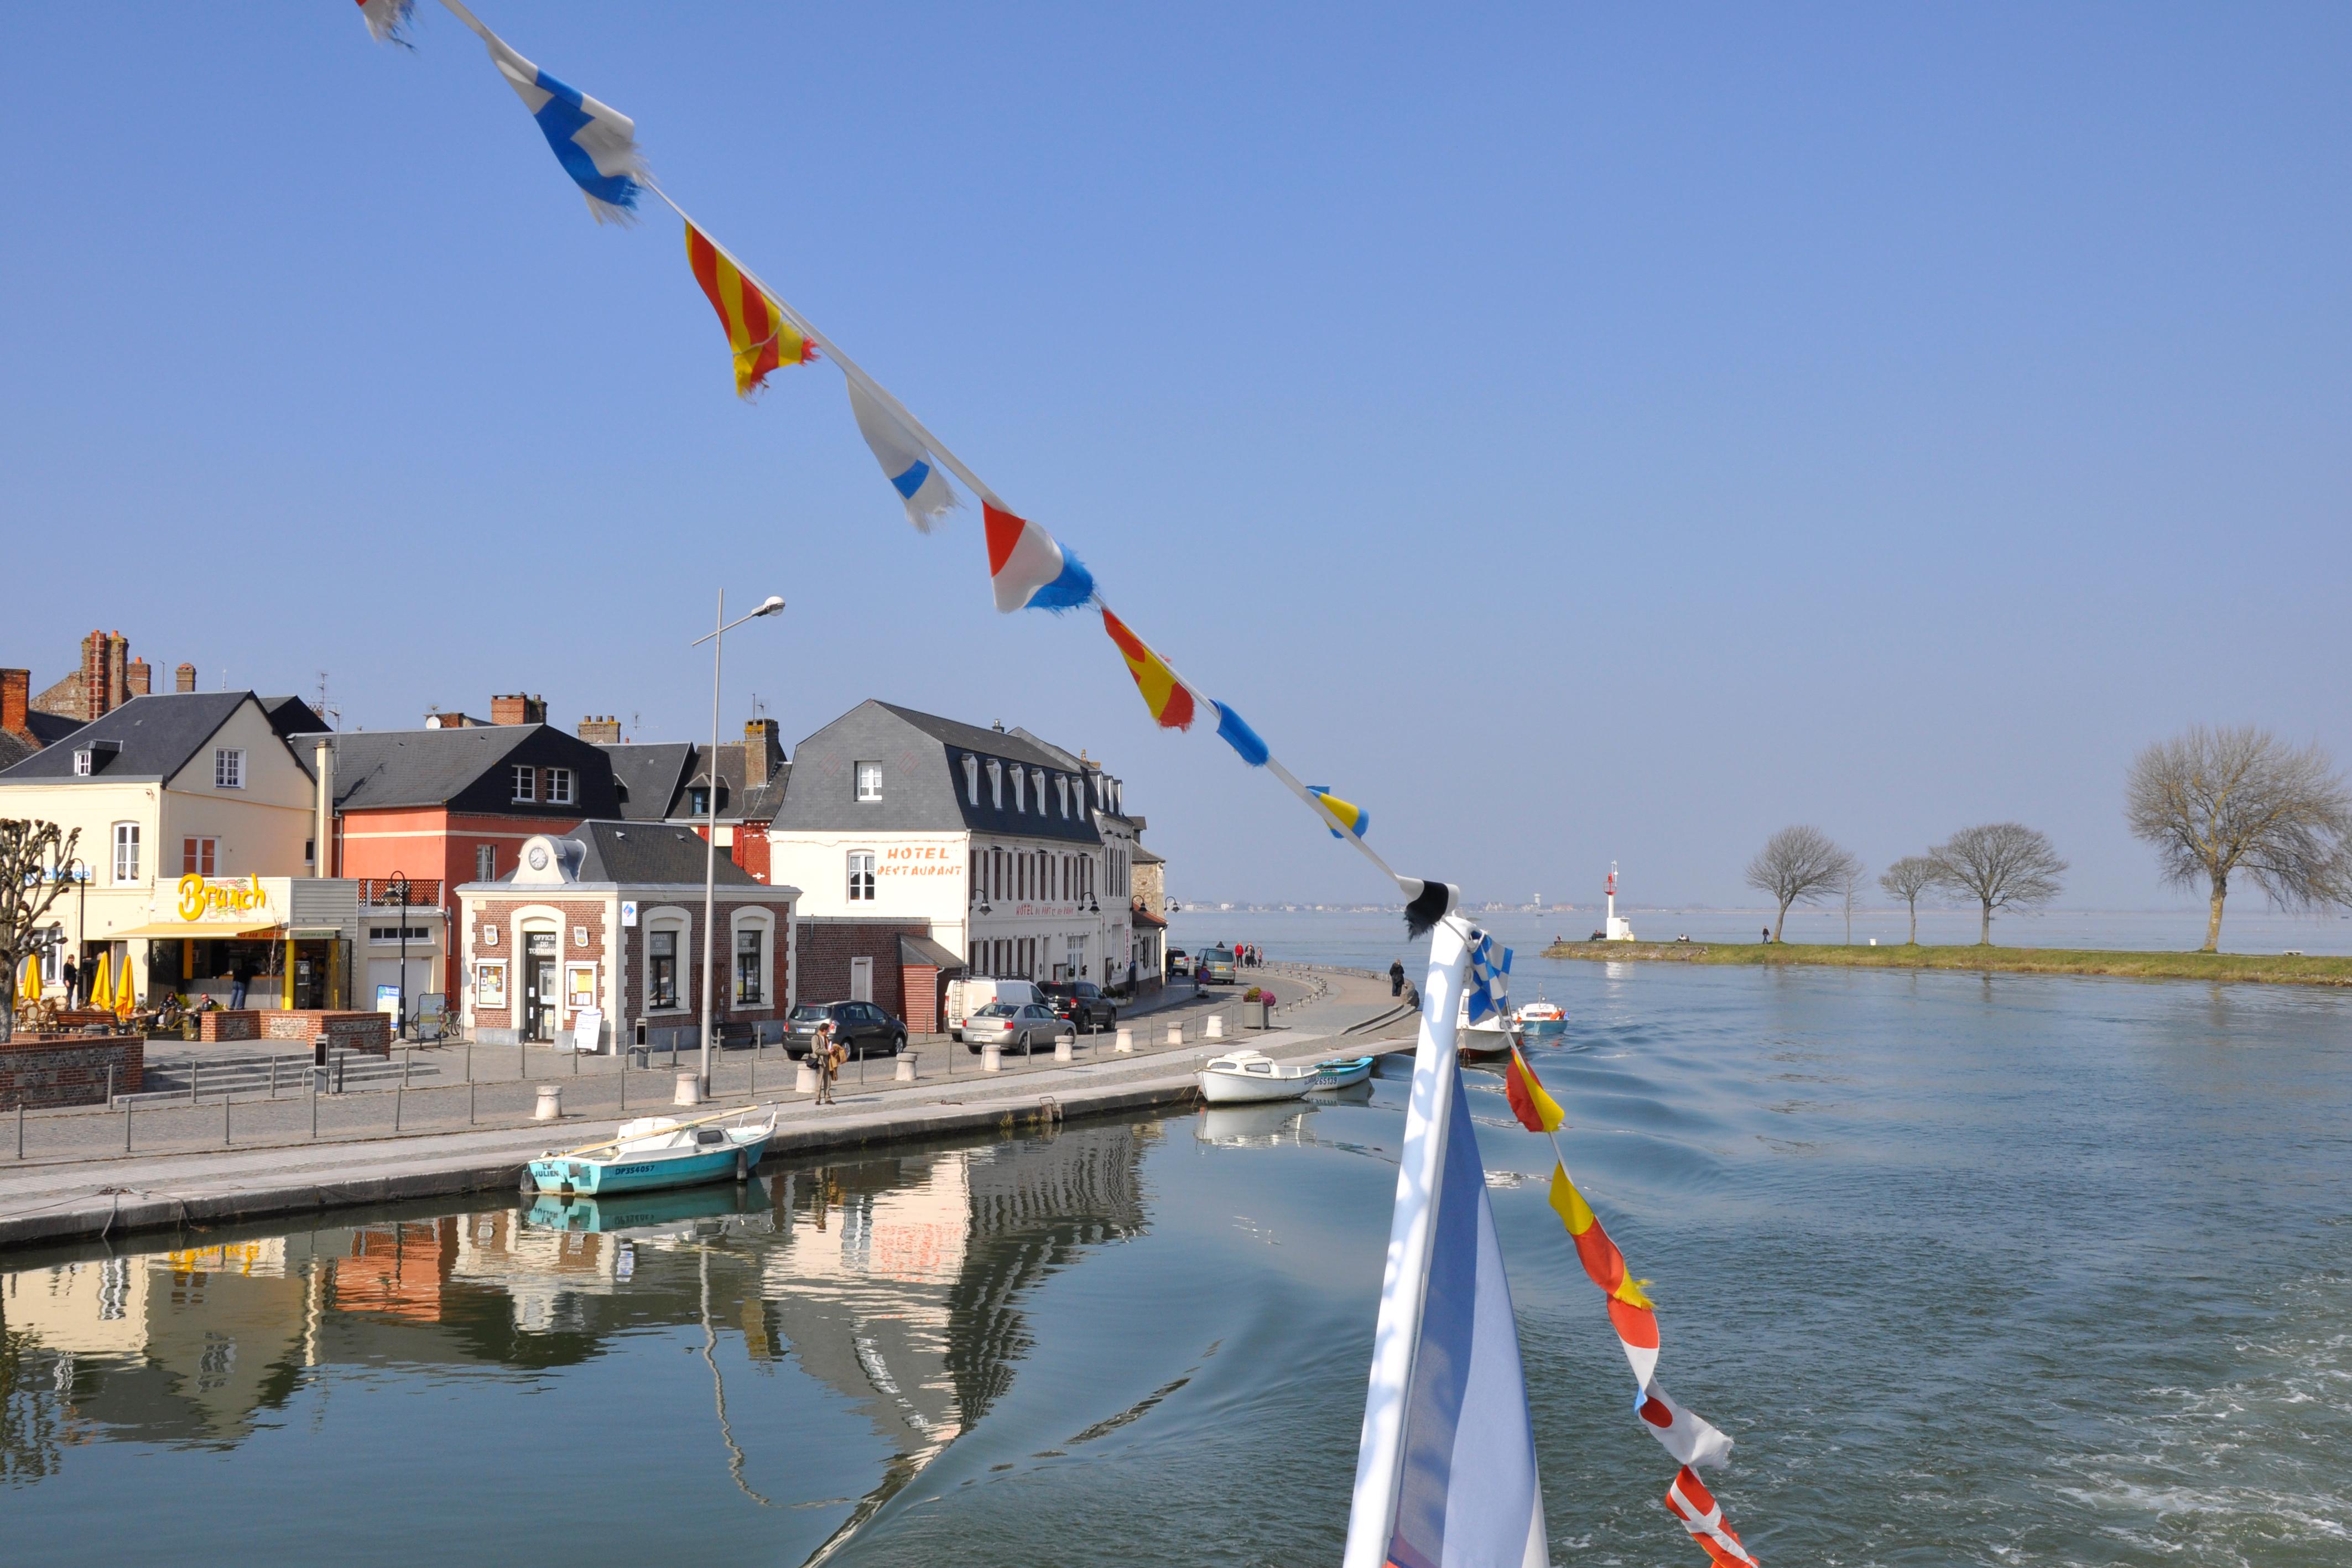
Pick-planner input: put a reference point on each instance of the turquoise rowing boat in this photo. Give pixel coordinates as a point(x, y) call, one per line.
point(655, 1151)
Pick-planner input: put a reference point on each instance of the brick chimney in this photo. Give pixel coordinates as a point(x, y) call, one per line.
point(15, 695)
point(518, 709)
point(762, 752)
point(137, 678)
point(183, 679)
point(604, 731)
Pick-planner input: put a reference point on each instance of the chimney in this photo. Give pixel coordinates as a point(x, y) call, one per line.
point(518, 709)
point(118, 675)
point(136, 678)
point(762, 752)
point(183, 679)
point(604, 731)
point(15, 693)
point(322, 849)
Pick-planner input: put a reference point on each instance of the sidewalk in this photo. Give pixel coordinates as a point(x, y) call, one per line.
point(220, 1160)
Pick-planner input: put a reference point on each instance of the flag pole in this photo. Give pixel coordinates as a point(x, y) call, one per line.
point(1404, 1284)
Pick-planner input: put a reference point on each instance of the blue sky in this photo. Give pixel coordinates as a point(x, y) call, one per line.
point(1573, 433)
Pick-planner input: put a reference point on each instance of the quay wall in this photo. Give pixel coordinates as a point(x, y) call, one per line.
point(69, 1070)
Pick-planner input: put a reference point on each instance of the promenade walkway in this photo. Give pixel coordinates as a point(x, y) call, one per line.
point(241, 1157)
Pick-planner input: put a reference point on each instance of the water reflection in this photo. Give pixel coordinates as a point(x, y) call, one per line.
point(899, 1284)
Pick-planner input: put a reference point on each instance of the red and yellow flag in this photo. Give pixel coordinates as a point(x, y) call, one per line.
point(1169, 699)
point(1537, 1110)
point(1603, 1262)
point(756, 328)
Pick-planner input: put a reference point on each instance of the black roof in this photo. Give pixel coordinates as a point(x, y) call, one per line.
point(648, 777)
point(628, 851)
point(466, 770)
point(158, 735)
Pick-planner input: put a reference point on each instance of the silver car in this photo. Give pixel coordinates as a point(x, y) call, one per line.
point(1013, 1026)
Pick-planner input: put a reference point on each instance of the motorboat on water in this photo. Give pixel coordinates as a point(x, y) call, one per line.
point(1343, 1073)
point(678, 1212)
point(1246, 1077)
point(653, 1152)
point(1542, 1019)
point(1486, 1040)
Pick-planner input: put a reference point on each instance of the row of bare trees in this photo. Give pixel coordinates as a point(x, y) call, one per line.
point(2002, 866)
point(2216, 803)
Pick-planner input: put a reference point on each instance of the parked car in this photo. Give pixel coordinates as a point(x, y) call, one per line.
point(863, 1029)
point(1180, 962)
point(1083, 1003)
point(1013, 1026)
point(1216, 966)
point(966, 998)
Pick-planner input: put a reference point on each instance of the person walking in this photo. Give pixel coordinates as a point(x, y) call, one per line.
point(73, 985)
point(831, 1054)
point(1396, 977)
point(240, 976)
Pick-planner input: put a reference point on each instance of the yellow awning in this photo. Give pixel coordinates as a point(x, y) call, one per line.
point(189, 930)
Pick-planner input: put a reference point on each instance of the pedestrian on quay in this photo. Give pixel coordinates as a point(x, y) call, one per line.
point(829, 1056)
point(73, 985)
point(1767, 934)
point(240, 976)
point(1396, 977)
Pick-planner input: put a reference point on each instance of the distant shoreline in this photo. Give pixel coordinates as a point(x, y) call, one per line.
point(2266, 968)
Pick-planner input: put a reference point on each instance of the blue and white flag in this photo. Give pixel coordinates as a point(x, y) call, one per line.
point(596, 143)
point(1445, 1476)
point(905, 461)
point(1490, 979)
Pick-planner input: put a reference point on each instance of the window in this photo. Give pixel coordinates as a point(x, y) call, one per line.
point(393, 933)
point(82, 763)
point(698, 800)
point(1062, 789)
point(996, 783)
point(229, 768)
point(861, 876)
point(559, 786)
point(485, 863)
point(197, 856)
point(1020, 790)
point(661, 959)
point(1037, 777)
point(972, 778)
point(526, 782)
point(126, 852)
point(869, 780)
point(1020, 873)
point(309, 851)
point(748, 949)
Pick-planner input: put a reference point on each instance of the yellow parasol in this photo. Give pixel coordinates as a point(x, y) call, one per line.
point(102, 989)
point(29, 989)
point(126, 995)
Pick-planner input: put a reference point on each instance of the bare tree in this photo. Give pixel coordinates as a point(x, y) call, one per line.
point(1848, 885)
point(2218, 801)
point(1906, 879)
point(1799, 865)
point(2002, 866)
point(30, 854)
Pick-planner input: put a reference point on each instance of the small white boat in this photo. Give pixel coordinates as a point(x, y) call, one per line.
point(657, 1152)
point(1481, 1041)
point(1542, 1019)
point(1343, 1073)
point(1245, 1077)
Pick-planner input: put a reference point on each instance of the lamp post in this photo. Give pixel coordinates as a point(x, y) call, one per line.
point(400, 1027)
point(80, 868)
point(768, 606)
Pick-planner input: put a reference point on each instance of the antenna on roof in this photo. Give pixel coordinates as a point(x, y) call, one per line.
point(329, 714)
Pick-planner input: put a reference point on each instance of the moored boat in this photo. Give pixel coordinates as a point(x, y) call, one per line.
point(1244, 1077)
point(1542, 1019)
point(1486, 1040)
point(653, 1152)
point(1343, 1073)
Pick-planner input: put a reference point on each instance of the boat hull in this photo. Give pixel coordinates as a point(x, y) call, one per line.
point(1343, 1074)
point(1542, 1028)
point(645, 1173)
point(1251, 1089)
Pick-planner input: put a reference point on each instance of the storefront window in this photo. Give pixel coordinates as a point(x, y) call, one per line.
point(747, 989)
point(661, 949)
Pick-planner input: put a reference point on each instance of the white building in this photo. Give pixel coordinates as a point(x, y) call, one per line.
point(1017, 853)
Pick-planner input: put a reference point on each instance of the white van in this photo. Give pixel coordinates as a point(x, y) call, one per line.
point(966, 998)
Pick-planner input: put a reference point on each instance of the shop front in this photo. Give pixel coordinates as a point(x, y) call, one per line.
point(250, 942)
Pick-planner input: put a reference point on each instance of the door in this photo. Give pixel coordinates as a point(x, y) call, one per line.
point(861, 980)
point(539, 983)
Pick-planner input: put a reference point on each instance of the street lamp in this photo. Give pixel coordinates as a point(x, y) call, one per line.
point(80, 868)
point(768, 606)
point(401, 1027)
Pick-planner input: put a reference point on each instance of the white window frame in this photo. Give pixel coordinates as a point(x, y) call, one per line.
point(972, 778)
point(229, 768)
point(207, 855)
point(83, 760)
point(861, 980)
point(126, 867)
point(524, 782)
point(738, 923)
point(996, 783)
point(1062, 789)
point(559, 786)
point(485, 863)
point(867, 781)
point(1037, 777)
point(680, 928)
point(1019, 791)
point(861, 884)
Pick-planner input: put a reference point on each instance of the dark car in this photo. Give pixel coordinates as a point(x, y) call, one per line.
point(1082, 1002)
point(863, 1029)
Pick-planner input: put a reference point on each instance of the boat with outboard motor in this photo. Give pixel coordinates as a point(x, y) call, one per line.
point(657, 1152)
point(1344, 1072)
point(1542, 1019)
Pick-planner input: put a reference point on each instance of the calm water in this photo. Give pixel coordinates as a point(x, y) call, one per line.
point(1990, 1271)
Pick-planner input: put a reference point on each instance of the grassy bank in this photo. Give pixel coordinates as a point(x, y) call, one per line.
point(2268, 968)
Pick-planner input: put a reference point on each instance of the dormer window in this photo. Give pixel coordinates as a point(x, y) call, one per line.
point(1037, 775)
point(559, 787)
point(82, 760)
point(869, 781)
point(698, 800)
point(1062, 789)
point(972, 778)
point(1020, 790)
point(996, 783)
point(525, 782)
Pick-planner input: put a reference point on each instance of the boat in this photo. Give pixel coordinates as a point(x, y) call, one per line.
point(682, 1212)
point(1343, 1073)
point(1542, 1019)
point(653, 1152)
point(1261, 1126)
point(1244, 1077)
point(1486, 1040)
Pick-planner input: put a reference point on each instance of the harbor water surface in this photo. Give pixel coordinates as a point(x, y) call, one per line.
point(1989, 1269)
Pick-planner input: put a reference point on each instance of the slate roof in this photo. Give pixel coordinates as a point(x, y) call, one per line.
point(633, 851)
point(650, 777)
point(159, 732)
point(464, 769)
point(923, 789)
point(923, 950)
point(1013, 746)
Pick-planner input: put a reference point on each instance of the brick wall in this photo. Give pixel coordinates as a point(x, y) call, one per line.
point(67, 1070)
point(344, 1031)
point(512, 950)
point(223, 1023)
point(827, 945)
point(689, 969)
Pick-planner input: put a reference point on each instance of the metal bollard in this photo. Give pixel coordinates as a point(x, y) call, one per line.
point(408, 1058)
point(469, 1101)
point(225, 1099)
point(399, 1095)
point(314, 1102)
point(575, 1064)
point(625, 1080)
point(192, 1083)
point(522, 1061)
point(273, 1076)
point(110, 1085)
point(126, 1126)
point(469, 1061)
point(20, 1129)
